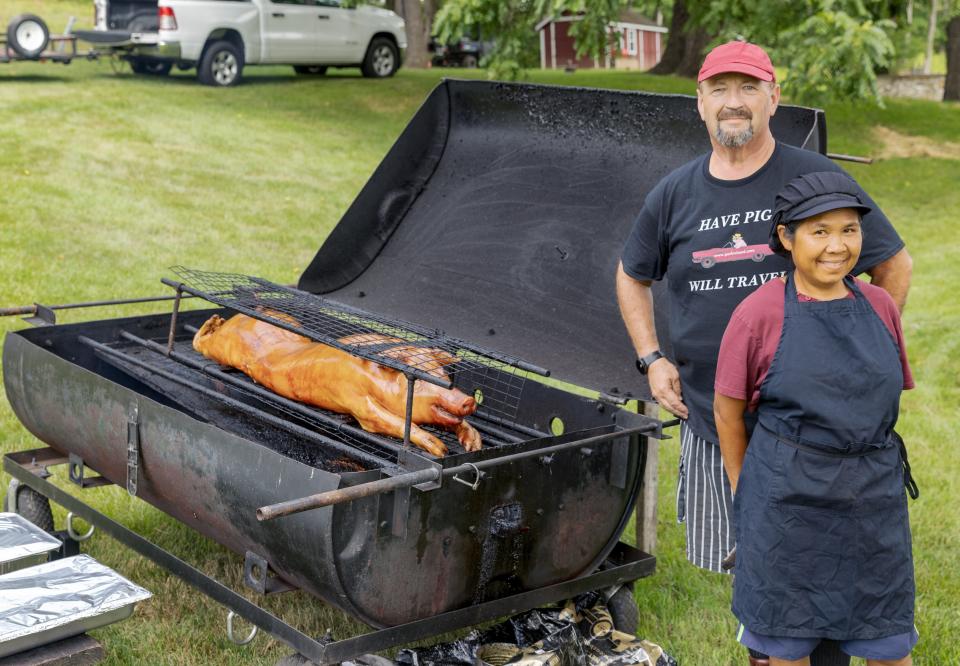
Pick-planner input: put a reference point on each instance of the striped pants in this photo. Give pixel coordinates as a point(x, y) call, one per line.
point(704, 501)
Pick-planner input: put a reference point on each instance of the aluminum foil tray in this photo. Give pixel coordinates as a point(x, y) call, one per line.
point(56, 600)
point(22, 544)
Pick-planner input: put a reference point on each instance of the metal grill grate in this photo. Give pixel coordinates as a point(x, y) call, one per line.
point(494, 379)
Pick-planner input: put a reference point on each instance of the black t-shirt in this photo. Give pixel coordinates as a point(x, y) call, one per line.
point(708, 238)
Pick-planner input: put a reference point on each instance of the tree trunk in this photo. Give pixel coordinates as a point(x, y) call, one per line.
point(685, 44)
point(931, 34)
point(419, 23)
point(951, 88)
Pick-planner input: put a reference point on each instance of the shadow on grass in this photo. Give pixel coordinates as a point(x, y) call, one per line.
point(248, 81)
point(34, 78)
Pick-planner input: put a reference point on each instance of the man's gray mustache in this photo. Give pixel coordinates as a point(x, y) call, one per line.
point(729, 116)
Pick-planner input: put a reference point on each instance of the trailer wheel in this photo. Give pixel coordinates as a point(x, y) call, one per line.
point(314, 70)
point(30, 504)
point(27, 34)
point(150, 67)
point(382, 59)
point(623, 610)
point(221, 65)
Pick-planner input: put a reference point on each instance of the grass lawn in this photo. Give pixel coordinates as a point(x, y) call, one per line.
point(109, 179)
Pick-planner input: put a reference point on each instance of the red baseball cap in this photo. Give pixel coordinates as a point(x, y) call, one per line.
point(740, 57)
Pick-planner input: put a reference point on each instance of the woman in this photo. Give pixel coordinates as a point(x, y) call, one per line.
point(823, 538)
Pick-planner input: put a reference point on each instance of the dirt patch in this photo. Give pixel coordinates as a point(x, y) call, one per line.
point(896, 145)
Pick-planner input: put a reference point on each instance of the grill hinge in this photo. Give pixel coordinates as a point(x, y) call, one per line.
point(133, 449)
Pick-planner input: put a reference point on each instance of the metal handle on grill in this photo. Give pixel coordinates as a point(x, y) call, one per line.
point(383, 486)
point(347, 494)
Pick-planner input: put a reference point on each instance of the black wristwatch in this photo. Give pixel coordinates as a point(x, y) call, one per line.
point(643, 364)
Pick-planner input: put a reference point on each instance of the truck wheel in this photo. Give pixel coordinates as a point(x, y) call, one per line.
point(150, 67)
point(28, 35)
point(221, 65)
point(30, 504)
point(469, 61)
point(382, 59)
point(315, 70)
point(623, 610)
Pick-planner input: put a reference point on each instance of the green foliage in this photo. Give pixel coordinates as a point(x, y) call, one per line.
point(833, 56)
point(592, 35)
point(832, 48)
point(511, 24)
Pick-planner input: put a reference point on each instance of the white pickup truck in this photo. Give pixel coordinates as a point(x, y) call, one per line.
point(221, 37)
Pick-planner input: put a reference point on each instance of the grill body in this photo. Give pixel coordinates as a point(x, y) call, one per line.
point(530, 523)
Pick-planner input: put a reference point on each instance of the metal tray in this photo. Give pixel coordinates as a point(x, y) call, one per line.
point(53, 601)
point(22, 544)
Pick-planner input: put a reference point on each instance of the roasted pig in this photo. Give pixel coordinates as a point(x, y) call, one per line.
point(317, 374)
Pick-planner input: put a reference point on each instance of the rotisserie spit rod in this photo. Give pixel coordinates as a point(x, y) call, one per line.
point(411, 479)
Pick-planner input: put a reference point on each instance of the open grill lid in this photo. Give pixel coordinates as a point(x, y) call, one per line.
point(500, 213)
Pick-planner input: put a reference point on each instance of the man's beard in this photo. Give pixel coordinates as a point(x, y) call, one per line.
point(733, 139)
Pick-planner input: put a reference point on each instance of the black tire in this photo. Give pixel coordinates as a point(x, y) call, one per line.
point(27, 34)
point(469, 61)
point(310, 70)
point(221, 65)
point(34, 507)
point(150, 67)
point(623, 610)
point(382, 60)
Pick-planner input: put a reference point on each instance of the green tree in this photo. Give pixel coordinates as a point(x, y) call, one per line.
point(511, 26)
point(832, 49)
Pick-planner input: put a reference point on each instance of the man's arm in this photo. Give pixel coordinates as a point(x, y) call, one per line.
point(732, 431)
point(893, 275)
point(636, 308)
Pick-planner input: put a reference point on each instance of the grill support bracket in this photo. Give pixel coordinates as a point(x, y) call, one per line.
point(133, 449)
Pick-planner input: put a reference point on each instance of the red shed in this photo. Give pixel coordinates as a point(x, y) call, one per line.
point(640, 45)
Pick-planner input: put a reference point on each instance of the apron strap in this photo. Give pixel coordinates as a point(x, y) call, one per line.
point(908, 481)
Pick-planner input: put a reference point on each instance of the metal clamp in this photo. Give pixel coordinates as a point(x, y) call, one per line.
point(234, 639)
point(73, 533)
point(476, 480)
point(42, 316)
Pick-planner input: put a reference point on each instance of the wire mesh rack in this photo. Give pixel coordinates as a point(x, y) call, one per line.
point(494, 379)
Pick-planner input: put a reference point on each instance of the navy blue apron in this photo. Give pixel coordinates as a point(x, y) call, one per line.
point(823, 536)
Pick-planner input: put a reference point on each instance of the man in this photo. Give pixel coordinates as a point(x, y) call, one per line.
point(685, 232)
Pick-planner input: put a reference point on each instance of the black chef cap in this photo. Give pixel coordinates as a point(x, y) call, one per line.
point(812, 194)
